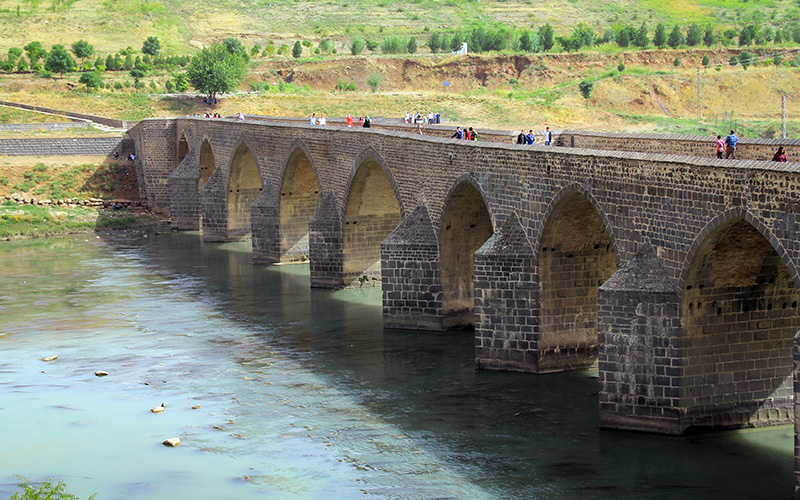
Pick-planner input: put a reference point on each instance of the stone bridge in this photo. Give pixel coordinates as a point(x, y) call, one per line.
point(677, 275)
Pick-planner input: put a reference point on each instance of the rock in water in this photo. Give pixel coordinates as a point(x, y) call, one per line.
point(196, 407)
point(101, 373)
point(172, 442)
point(50, 358)
point(158, 409)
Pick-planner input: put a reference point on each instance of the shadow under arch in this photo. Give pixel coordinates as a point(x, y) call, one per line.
point(183, 148)
point(372, 211)
point(244, 186)
point(739, 313)
point(466, 225)
point(299, 200)
point(205, 163)
point(576, 254)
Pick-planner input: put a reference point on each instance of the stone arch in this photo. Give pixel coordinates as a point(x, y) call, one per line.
point(466, 225)
point(739, 311)
point(299, 200)
point(183, 148)
point(372, 211)
point(727, 216)
point(205, 163)
point(576, 254)
point(244, 186)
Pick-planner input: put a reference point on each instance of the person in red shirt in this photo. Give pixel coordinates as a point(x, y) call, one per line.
point(720, 146)
point(349, 120)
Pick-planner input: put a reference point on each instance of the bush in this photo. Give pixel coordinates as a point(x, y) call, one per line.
point(676, 62)
point(706, 60)
point(374, 81)
point(621, 67)
point(46, 491)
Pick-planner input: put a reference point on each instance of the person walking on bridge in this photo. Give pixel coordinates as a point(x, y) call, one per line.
point(720, 146)
point(730, 146)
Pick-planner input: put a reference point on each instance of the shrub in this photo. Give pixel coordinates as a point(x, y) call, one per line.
point(374, 81)
point(706, 60)
point(621, 67)
point(676, 62)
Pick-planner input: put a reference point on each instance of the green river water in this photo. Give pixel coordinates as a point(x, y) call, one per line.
point(302, 393)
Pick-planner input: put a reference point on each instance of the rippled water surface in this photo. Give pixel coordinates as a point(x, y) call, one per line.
point(302, 393)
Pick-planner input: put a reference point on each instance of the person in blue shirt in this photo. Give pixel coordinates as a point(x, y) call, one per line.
point(530, 138)
point(458, 134)
point(730, 146)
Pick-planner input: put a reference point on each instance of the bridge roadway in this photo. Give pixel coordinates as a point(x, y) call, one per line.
point(676, 274)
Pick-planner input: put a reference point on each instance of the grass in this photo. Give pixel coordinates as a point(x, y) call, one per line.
point(75, 178)
point(30, 221)
point(113, 25)
point(46, 490)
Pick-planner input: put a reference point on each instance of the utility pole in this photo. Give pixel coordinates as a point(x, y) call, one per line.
point(698, 93)
point(783, 113)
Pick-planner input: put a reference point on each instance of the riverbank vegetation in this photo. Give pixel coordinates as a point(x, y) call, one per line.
point(45, 490)
point(31, 221)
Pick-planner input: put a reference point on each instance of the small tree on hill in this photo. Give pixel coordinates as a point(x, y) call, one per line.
point(374, 81)
point(694, 36)
point(706, 60)
point(297, 50)
point(546, 34)
point(708, 37)
point(357, 46)
point(641, 39)
point(215, 70)
point(746, 59)
point(92, 80)
point(412, 45)
point(82, 49)
point(35, 51)
point(676, 37)
point(660, 36)
point(59, 61)
point(586, 87)
point(151, 46)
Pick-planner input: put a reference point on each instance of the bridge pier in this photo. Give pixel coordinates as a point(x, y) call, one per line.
point(642, 351)
point(184, 196)
point(411, 275)
point(506, 301)
point(325, 245)
point(266, 228)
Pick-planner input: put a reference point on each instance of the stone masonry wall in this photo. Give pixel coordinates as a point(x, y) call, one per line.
point(82, 146)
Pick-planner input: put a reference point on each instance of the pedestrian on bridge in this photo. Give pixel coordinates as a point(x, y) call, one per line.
point(720, 146)
point(730, 146)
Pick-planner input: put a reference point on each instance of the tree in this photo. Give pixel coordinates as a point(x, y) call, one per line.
point(216, 70)
point(746, 59)
point(694, 36)
point(706, 60)
point(586, 87)
point(151, 46)
point(14, 53)
point(660, 36)
point(641, 40)
point(137, 76)
point(546, 34)
point(745, 37)
point(59, 60)
point(234, 46)
point(297, 50)
point(35, 51)
point(374, 80)
point(128, 64)
point(733, 61)
point(92, 80)
point(434, 43)
point(357, 46)
point(708, 37)
point(676, 37)
point(82, 49)
point(412, 45)
point(181, 82)
point(23, 66)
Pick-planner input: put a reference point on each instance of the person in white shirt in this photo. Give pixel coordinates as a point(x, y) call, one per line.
point(322, 120)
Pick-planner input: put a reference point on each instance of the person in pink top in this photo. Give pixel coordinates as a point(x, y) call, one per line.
point(720, 146)
point(349, 120)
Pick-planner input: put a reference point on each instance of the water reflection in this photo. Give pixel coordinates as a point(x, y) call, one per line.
point(302, 394)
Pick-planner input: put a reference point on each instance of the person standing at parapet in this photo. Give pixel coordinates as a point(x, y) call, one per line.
point(548, 136)
point(530, 138)
point(349, 120)
point(313, 119)
point(322, 120)
point(521, 137)
point(720, 146)
point(730, 146)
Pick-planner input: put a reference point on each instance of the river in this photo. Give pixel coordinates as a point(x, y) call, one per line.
point(302, 394)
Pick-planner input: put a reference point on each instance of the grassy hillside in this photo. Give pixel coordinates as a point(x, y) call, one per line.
point(111, 25)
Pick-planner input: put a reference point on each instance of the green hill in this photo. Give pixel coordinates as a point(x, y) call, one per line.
point(112, 25)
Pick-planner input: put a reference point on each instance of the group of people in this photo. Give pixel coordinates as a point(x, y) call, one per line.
point(530, 137)
point(363, 121)
point(418, 118)
point(726, 148)
point(468, 134)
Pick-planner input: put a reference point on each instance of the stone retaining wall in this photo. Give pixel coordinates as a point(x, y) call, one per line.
point(27, 127)
point(83, 146)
